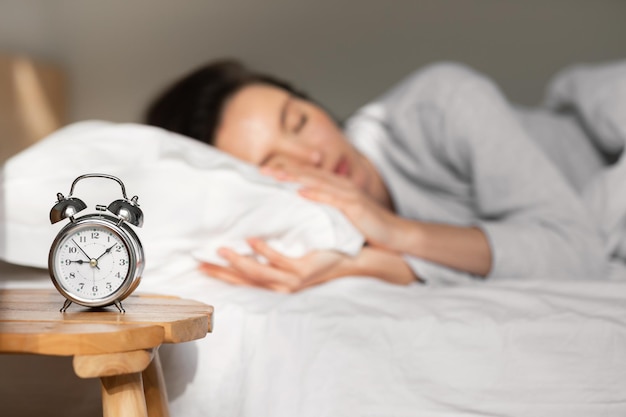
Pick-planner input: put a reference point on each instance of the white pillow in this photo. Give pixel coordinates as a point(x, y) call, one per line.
point(598, 93)
point(194, 197)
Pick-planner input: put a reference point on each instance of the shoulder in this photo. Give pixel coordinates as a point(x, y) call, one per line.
point(437, 85)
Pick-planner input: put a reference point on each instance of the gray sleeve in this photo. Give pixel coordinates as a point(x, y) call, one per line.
point(536, 224)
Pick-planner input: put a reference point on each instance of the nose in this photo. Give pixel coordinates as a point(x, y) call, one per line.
point(316, 158)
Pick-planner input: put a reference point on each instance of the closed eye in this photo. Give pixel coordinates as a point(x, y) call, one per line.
point(301, 123)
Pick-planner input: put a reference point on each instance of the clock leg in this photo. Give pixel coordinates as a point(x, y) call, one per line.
point(118, 304)
point(66, 304)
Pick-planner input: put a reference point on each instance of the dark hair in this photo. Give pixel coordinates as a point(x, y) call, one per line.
point(193, 105)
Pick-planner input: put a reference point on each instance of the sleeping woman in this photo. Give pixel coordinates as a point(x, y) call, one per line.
point(437, 174)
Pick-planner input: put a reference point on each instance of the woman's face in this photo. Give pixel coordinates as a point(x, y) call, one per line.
point(267, 126)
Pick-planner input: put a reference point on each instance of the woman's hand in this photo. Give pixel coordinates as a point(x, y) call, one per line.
point(285, 274)
point(281, 273)
point(378, 224)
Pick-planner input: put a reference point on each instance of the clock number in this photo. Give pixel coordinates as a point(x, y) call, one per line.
point(81, 285)
point(67, 262)
point(95, 235)
point(109, 286)
point(122, 262)
point(94, 288)
point(72, 249)
point(72, 275)
point(118, 248)
point(82, 239)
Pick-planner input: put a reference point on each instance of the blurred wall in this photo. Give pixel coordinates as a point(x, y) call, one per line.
point(119, 53)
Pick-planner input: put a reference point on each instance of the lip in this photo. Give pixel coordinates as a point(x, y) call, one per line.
point(342, 168)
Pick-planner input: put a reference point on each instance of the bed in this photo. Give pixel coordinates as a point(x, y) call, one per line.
point(354, 346)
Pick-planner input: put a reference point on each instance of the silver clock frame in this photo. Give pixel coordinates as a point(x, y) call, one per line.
point(135, 254)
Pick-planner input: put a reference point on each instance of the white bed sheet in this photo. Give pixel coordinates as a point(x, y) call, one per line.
point(360, 347)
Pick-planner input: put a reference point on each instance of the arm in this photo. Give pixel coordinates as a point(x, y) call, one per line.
point(462, 248)
point(535, 223)
point(385, 265)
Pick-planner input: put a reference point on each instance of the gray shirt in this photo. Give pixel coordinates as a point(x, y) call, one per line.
point(451, 150)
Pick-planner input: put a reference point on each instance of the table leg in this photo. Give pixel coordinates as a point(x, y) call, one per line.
point(121, 380)
point(122, 396)
point(154, 388)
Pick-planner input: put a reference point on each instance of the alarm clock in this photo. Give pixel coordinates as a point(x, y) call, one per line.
point(96, 260)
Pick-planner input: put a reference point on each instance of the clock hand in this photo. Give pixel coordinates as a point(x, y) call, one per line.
point(106, 251)
point(92, 262)
point(81, 249)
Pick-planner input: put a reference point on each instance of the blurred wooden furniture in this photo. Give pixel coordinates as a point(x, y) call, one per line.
point(32, 102)
point(120, 349)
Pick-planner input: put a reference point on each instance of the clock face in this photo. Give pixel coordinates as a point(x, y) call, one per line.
point(91, 261)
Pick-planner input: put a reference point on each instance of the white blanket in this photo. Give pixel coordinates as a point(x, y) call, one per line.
point(359, 347)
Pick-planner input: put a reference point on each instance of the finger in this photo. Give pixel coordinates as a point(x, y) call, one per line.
point(223, 273)
point(333, 197)
point(282, 262)
point(256, 271)
point(276, 172)
point(314, 282)
point(274, 257)
point(231, 276)
point(321, 179)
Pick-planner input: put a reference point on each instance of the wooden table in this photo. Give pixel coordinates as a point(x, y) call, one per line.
point(120, 349)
